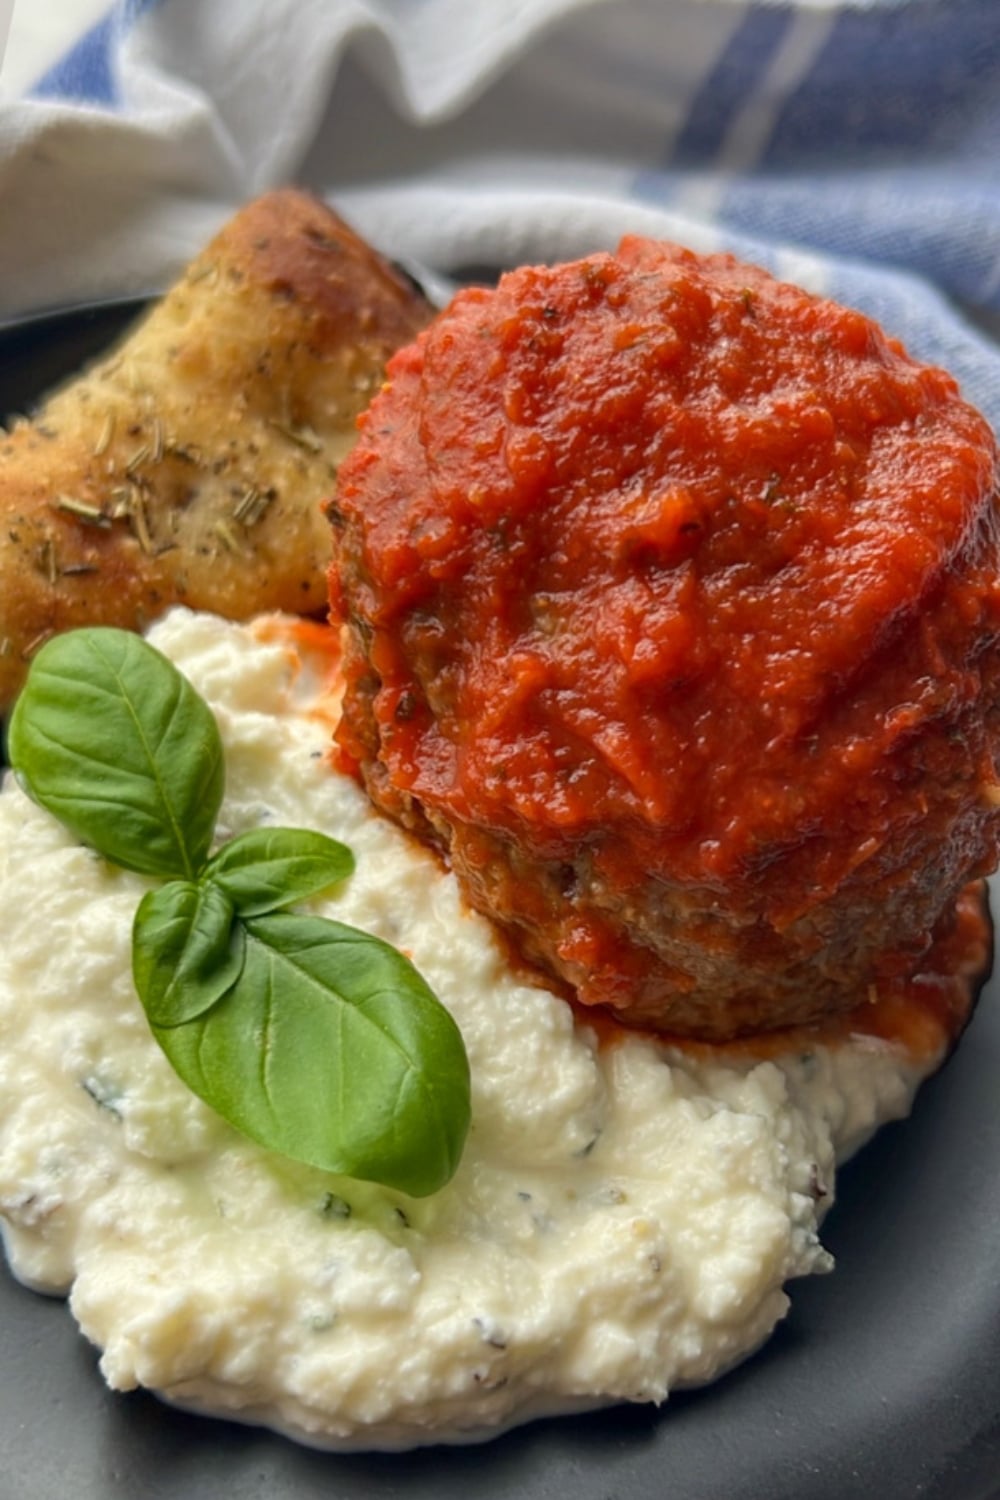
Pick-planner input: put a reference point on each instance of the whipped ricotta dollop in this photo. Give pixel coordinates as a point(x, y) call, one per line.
point(623, 1222)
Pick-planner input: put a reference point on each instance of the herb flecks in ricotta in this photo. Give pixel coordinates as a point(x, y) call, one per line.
point(623, 1221)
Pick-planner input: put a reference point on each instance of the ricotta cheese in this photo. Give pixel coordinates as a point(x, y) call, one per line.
point(624, 1220)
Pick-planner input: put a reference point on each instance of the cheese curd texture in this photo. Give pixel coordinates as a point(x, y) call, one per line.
point(623, 1222)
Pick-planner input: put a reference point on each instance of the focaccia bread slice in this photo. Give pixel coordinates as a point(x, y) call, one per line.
point(191, 464)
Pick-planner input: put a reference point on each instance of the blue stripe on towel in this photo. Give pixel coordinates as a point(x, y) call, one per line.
point(934, 222)
point(898, 79)
point(725, 91)
point(85, 74)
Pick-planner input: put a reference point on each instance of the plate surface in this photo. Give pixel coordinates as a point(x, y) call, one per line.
point(882, 1384)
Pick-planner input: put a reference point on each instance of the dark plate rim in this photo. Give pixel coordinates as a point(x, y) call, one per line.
point(876, 1383)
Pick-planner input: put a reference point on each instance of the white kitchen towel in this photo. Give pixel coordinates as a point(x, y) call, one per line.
point(853, 145)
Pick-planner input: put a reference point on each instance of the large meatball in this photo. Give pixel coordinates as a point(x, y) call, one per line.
point(672, 610)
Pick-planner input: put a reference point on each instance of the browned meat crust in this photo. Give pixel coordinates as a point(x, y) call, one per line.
point(191, 463)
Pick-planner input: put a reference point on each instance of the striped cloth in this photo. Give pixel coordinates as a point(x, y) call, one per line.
point(852, 146)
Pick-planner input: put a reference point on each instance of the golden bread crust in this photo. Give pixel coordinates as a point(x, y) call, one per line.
point(191, 464)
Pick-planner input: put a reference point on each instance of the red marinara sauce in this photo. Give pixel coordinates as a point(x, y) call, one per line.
point(673, 617)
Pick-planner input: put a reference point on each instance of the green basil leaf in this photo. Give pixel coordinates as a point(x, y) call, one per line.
point(187, 950)
point(109, 737)
point(268, 868)
point(332, 1049)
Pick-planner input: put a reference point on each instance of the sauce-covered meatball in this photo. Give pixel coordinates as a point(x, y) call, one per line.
point(673, 620)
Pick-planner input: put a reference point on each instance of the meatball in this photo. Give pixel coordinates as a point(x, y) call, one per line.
point(672, 617)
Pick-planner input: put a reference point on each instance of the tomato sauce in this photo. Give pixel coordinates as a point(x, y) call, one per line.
point(672, 577)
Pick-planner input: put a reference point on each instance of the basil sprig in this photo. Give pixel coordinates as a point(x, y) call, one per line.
point(317, 1040)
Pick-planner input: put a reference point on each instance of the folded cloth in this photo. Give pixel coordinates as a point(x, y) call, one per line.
point(851, 145)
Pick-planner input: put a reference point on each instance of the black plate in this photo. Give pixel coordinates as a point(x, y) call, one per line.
point(883, 1383)
point(37, 352)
